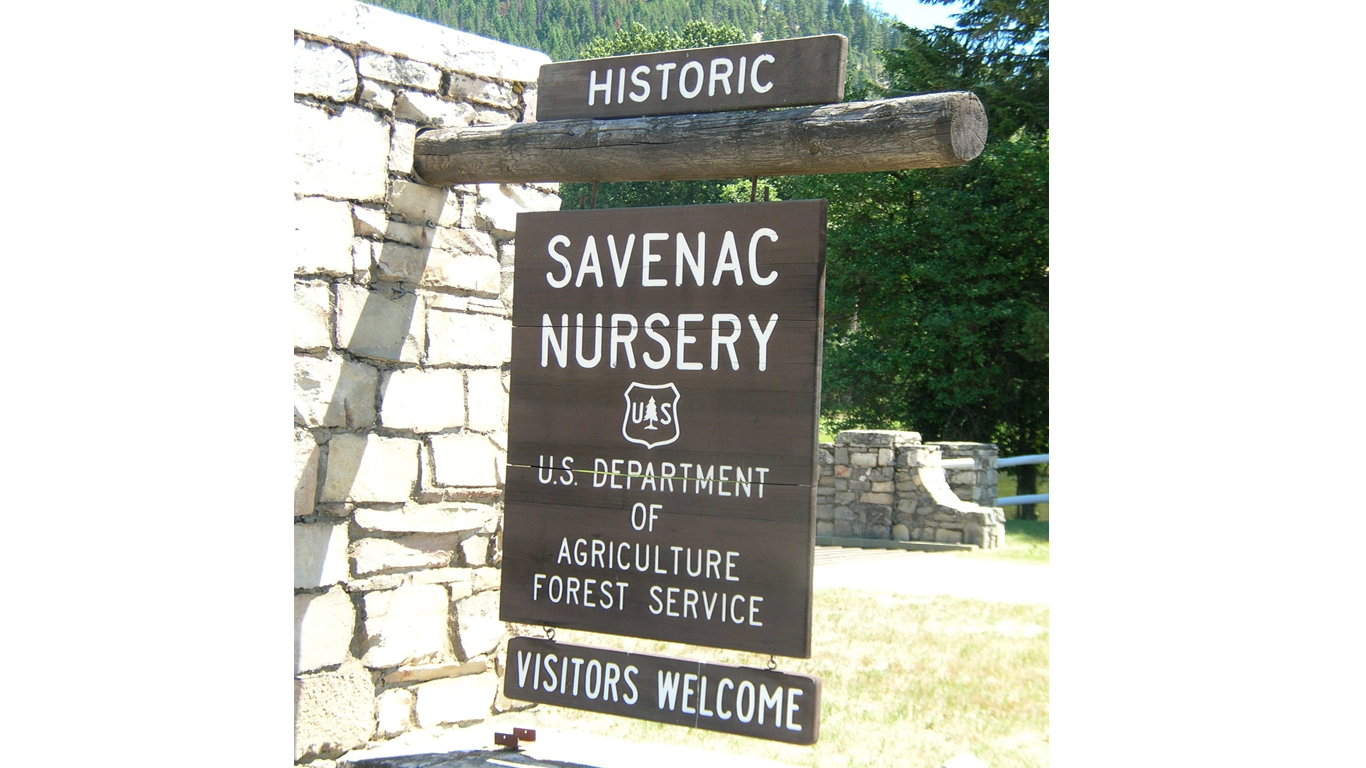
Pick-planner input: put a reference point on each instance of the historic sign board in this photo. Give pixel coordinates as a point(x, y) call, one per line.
point(718, 697)
point(778, 73)
point(662, 425)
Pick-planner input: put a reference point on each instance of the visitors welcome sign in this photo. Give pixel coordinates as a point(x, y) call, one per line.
point(761, 703)
point(662, 424)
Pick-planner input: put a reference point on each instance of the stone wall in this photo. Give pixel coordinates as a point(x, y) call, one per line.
point(884, 484)
point(402, 335)
point(977, 484)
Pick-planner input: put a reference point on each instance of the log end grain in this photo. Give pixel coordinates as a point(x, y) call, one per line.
point(968, 130)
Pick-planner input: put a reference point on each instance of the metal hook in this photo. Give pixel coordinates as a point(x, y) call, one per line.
point(772, 663)
point(549, 633)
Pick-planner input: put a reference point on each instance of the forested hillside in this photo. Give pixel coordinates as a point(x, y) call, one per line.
point(562, 28)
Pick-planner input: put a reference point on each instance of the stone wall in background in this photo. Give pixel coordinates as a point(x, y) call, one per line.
point(402, 335)
point(978, 483)
point(884, 484)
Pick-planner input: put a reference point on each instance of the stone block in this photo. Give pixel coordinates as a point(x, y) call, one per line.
point(368, 222)
point(408, 625)
point(323, 71)
point(306, 460)
point(455, 700)
point(416, 39)
point(323, 627)
point(463, 272)
point(884, 487)
point(488, 400)
point(465, 460)
point(402, 142)
point(429, 518)
point(370, 468)
point(419, 203)
point(477, 340)
point(475, 551)
point(312, 309)
point(322, 237)
point(869, 497)
point(423, 401)
point(424, 672)
point(486, 579)
point(466, 241)
point(947, 536)
point(463, 87)
point(319, 554)
point(331, 392)
point(376, 95)
point(428, 110)
point(334, 712)
point(343, 157)
point(974, 534)
point(394, 712)
point(401, 263)
point(901, 533)
point(423, 550)
point(489, 116)
point(416, 235)
point(529, 94)
point(863, 458)
point(382, 324)
point(392, 69)
point(362, 258)
point(884, 457)
point(499, 205)
point(844, 529)
point(478, 630)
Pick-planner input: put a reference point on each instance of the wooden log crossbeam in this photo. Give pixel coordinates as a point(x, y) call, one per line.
point(926, 131)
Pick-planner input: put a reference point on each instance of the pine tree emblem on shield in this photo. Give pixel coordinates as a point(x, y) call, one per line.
point(651, 414)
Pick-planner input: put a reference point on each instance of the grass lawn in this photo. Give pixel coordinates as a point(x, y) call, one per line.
point(1026, 541)
point(905, 681)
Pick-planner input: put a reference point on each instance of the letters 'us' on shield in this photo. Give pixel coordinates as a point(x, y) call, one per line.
point(662, 428)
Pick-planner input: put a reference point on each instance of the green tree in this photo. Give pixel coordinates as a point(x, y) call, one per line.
point(937, 280)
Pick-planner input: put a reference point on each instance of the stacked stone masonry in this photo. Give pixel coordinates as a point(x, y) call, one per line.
point(402, 336)
point(883, 484)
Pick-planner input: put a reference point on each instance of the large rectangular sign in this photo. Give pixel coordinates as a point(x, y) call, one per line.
point(717, 697)
point(662, 428)
point(778, 73)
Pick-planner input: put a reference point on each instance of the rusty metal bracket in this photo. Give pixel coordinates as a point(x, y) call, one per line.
point(512, 740)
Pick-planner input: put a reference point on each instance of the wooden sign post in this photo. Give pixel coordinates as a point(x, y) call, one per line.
point(662, 427)
point(665, 378)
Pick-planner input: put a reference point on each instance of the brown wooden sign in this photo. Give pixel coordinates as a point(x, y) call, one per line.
point(761, 703)
point(779, 73)
point(662, 426)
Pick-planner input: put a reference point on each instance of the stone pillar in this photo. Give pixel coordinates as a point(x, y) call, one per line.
point(402, 336)
point(977, 484)
point(866, 460)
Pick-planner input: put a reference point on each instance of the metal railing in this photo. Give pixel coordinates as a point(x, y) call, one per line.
point(1030, 498)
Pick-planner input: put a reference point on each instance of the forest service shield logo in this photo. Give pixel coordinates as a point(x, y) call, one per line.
point(651, 414)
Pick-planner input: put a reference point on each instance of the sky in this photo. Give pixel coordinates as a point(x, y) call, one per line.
point(916, 14)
